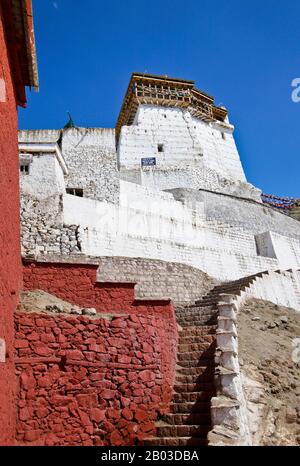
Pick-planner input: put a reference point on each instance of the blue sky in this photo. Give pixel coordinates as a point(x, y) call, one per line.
point(244, 52)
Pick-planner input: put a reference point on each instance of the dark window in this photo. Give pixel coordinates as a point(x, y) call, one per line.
point(24, 169)
point(75, 191)
point(160, 147)
point(223, 136)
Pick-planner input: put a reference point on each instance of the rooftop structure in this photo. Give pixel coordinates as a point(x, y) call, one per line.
point(166, 92)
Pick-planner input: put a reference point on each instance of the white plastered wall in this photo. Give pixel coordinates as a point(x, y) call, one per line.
point(45, 177)
point(187, 141)
point(153, 225)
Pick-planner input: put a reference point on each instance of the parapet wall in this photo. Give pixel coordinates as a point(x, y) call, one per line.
point(230, 417)
point(99, 380)
point(156, 279)
point(76, 283)
point(153, 225)
point(249, 215)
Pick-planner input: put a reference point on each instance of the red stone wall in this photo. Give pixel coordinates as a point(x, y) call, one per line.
point(10, 259)
point(92, 381)
point(77, 284)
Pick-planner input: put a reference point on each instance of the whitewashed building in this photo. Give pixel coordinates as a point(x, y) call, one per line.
point(166, 184)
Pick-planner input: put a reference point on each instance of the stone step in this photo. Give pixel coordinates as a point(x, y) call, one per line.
point(196, 310)
point(196, 317)
point(175, 441)
point(199, 419)
point(227, 289)
point(189, 407)
point(206, 376)
point(192, 397)
point(240, 281)
point(185, 322)
point(189, 347)
point(203, 320)
point(194, 306)
point(217, 295)
point(194, 330)
point(182, 431)
point(209, 300)
point(212, 301)
point(193, 370)
point(202, 362)
point(193, 387)
point(197, 339)
point(196, 355)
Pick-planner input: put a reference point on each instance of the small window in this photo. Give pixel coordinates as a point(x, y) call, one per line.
point(223, 136)
point(160, 147)
point(75, 191)
point(24, 169)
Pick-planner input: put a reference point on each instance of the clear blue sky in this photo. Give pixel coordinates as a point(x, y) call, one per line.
point(244, 52)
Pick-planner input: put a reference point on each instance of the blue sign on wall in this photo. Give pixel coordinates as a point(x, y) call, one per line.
point(148, 162)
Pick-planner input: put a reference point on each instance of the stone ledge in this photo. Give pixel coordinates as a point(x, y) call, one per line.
point(63, 259)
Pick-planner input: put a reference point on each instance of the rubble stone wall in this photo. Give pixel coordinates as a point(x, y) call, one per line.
point(156, 279)
point(90, 154)
point(43, 230)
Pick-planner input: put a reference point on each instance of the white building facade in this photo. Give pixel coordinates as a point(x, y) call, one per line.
point(168, 185)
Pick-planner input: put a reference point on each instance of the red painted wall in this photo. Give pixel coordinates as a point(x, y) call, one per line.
point(10, 258)
point(92, 381)
point(77, 284)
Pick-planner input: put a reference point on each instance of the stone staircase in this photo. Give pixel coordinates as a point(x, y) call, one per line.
point(189, 422)
point(234, 287)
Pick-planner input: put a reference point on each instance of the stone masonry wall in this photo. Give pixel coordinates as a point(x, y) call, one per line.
point(98, 380)
point(156, 279)
point(10, 259)
point(76, 283)
point(151, 225)
point(90, 155)
point(85, 381)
